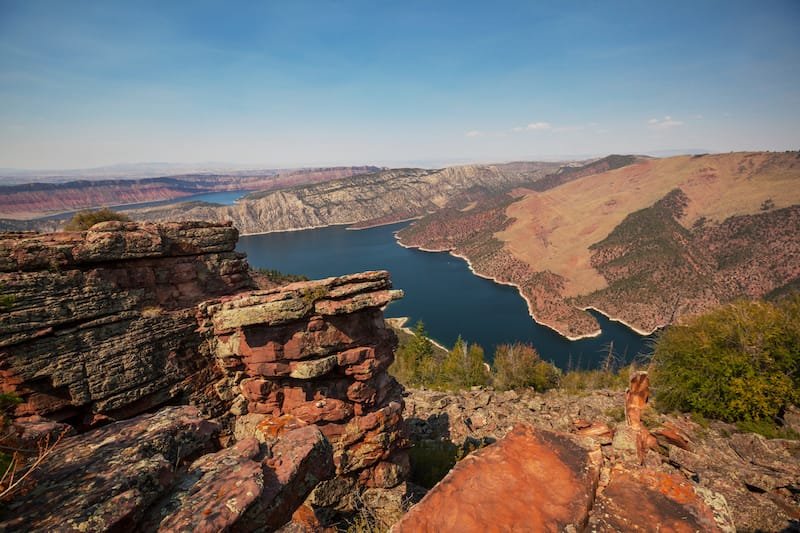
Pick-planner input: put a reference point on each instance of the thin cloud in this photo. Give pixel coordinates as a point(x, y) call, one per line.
point(665, 123)
point(473, 133)
point(533, 126)
point(538, 126)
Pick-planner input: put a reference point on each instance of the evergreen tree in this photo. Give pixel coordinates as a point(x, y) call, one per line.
point(415, 361)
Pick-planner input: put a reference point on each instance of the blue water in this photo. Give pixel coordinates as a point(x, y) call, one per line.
point(224, 198)
point(439, 289)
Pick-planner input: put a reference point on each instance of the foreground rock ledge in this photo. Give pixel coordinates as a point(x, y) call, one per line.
point(128, 476)
point(532, 480)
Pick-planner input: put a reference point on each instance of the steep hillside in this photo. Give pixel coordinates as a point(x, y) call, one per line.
point(553, 231)
point(646, 242)
point(569, 173)
point(41, 199)
point(378, 197)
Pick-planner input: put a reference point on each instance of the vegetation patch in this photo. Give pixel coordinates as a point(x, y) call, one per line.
point(276, 276)
point(420, 363)
point(739, 363)
point(86, 219)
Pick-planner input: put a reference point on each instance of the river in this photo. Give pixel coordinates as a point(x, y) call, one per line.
point(440, 290)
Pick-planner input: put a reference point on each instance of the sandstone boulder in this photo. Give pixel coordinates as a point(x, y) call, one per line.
point(532, 480)
point(641, 500)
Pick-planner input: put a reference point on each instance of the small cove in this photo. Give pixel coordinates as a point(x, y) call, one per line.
point(439, 289)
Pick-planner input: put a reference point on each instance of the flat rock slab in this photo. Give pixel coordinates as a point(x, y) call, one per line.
point(652, 501)
point(532, 480)
point(105, 479)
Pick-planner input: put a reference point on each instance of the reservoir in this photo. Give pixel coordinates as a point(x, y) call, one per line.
point(440, 290)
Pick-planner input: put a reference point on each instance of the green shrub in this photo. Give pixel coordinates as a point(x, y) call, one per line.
point(740, 363)
point(6, 301)
point(276, 276)
point(420, 362)
point(415, 363)
point(86, 219)
point(518, 365)
point(465, 366)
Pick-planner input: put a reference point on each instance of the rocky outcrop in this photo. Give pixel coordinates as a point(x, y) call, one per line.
point(379, 197)
point(532, 480)
point(102, 324)
point(137, 475)
point(118, 321)
point(739, 478)
point(316, 353)
point(645, 500)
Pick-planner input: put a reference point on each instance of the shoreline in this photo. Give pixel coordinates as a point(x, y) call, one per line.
point(450, 251)
point(347, 228)
point(641, 332)
point(595, 333)
point(400, 323)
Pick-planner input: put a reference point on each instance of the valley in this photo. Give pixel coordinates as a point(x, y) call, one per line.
point(645, 243)
point(642, 240)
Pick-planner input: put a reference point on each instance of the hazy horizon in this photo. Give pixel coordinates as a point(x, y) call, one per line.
point(303, 84)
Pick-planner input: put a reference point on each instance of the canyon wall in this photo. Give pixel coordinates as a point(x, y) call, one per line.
point(375, 198)
point(31, 200)
point(138, 320)
point(102, 323)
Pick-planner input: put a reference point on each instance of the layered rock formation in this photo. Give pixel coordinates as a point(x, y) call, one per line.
point(30, 200)
point(138, 475)
point(118, 321)
point(316, 353)
point(103, 322)
point(380, 197)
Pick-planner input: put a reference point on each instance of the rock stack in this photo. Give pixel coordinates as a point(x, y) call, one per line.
point(316, 352)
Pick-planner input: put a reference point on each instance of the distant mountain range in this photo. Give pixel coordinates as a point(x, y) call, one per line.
point(14, 176)
point(32, 200)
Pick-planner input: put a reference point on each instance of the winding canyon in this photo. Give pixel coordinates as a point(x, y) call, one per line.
point(645, 241)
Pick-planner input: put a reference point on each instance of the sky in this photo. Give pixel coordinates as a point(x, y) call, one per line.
point(296, 83)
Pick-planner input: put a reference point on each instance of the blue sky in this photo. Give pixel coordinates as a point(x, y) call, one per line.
point(290, 83)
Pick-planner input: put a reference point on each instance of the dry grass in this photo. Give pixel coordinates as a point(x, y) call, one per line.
point(554, 229)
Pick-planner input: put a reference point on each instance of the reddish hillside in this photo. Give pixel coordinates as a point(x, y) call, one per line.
point(42, 199)
point(618, 241)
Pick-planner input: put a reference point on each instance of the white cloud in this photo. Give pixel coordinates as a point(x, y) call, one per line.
point(538, 126)
point(665, 123)
point(533, 126)
point(473, 133)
